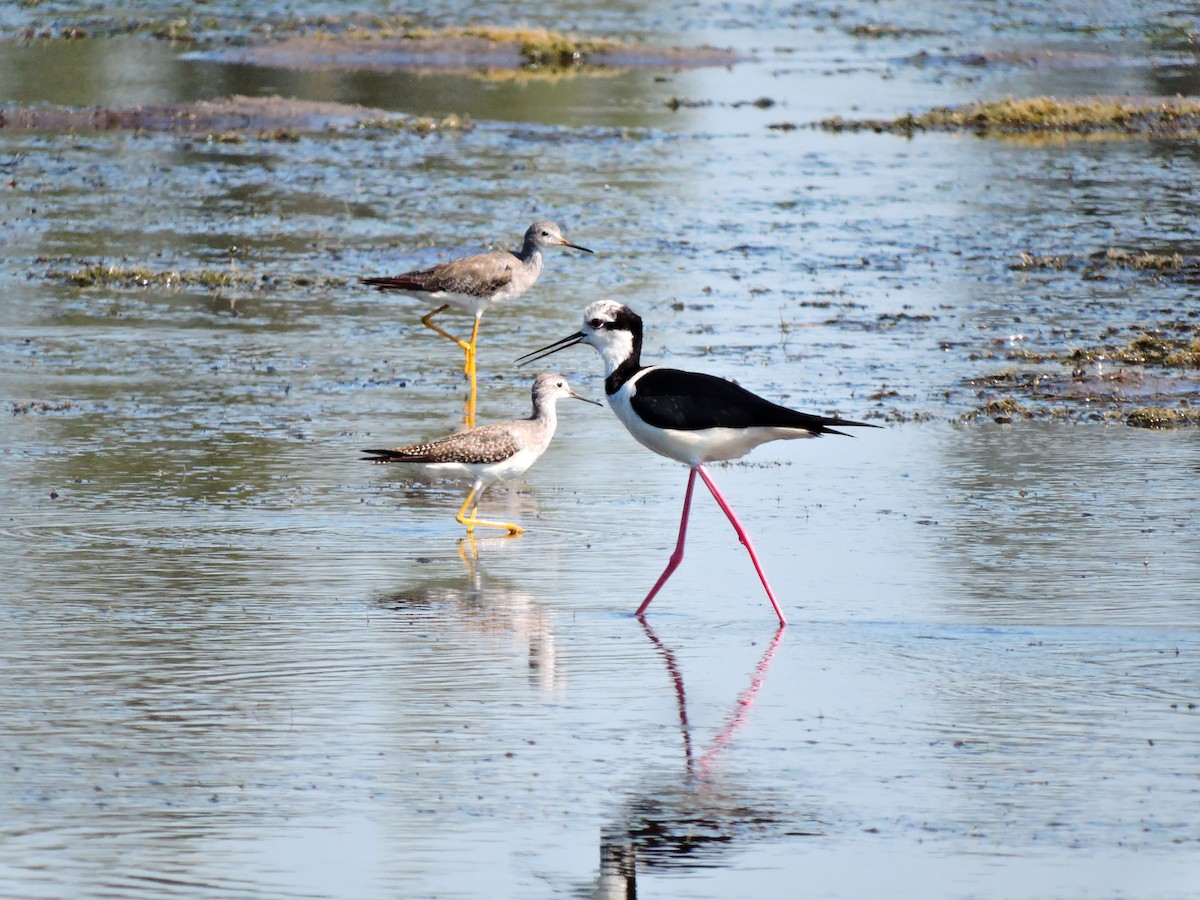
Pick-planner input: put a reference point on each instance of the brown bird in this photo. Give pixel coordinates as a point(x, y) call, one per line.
point(490, 453)
point(476, 283)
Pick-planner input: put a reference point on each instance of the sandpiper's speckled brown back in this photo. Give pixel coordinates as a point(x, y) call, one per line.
point(483, 445)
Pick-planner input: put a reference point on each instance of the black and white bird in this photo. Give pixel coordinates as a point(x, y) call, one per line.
point(476, 283)
point(490, 453)
point(690, 417)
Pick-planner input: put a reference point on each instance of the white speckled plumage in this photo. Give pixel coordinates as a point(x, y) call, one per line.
point(491, 453)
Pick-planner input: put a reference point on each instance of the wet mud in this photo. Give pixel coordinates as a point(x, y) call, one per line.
point(483, 50)
point(267, 118)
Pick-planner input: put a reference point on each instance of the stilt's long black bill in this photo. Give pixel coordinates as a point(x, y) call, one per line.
point(552, 348)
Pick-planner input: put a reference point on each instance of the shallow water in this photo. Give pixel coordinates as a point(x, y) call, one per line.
point(239, 661)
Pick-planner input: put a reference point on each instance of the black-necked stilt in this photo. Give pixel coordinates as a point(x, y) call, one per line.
point(476, 283)
point(686, 416)
point(490, 453)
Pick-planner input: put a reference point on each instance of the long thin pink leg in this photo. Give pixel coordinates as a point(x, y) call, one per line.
point(742, 536)
point(677, 556)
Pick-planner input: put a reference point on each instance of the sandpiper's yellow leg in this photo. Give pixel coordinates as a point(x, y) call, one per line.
point(470, 371)
point(471, 521)
point(427, 321)
point(468, 349)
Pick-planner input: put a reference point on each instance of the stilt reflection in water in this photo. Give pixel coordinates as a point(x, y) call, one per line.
point(694, 817)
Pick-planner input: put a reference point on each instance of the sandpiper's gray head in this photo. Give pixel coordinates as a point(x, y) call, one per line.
point(541, 235)
point(550, 387)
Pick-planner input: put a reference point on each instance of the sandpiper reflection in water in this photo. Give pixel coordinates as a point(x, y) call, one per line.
point(495, 610)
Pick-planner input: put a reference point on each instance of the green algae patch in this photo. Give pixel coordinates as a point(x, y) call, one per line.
point(1003, 410)
point(537, 46)
point(100, 274)
point(420, 125)
point(876, 30)
point(1095, 265)
point(138, 276)
point(375, 44)
point(1148, 379)
point(1162, 417)
point(1041, 115)
point(1151, 348)
point(1169, 345)
point(542, 47)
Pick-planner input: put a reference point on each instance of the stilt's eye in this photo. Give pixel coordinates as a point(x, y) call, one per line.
point(597, 323)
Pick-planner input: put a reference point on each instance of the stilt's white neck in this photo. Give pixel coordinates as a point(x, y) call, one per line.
point(615, 348)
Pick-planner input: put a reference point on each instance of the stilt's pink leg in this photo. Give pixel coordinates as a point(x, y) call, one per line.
point(742, 536)
point(677, 556)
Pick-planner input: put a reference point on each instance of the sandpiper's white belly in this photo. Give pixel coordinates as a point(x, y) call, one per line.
point(489, 473)
point(467, 303)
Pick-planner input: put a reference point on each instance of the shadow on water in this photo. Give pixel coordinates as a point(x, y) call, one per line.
point(691, 819)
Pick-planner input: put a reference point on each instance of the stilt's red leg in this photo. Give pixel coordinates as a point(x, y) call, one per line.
point(742, 536)
point(677, 556)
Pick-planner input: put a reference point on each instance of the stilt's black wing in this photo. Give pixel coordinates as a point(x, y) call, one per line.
point(689, 401)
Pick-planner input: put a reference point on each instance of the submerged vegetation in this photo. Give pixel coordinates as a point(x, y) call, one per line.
point(541, 47)
point(100, 273)
point(1002, 410)
point(1162, 417)
point(1129, 381)
point(1151, 348)
point(230, 120)
point(1096, 263)
point(1034, 115)
point(532, 47)
point(537, 46)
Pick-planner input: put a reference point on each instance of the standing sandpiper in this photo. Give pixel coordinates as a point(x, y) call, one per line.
point(476, 283)
point(490, 453)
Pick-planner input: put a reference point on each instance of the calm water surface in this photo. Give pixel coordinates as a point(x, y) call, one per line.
point(240, 662)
